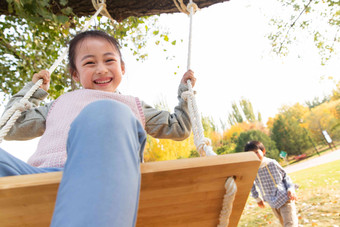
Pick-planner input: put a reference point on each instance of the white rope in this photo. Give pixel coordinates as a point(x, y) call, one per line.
point(228, 200)
point(203, 145)
point(97, 5)
point(10, 116)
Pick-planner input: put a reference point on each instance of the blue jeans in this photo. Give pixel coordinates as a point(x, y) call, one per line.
point(101, 177)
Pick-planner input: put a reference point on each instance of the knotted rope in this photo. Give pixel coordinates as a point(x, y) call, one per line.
point(10, 116)
point(203, 145)
point(98, 4)
point(228, 200)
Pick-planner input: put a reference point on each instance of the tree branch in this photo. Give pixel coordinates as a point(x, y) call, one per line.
point(9, 47)
point(292, 25)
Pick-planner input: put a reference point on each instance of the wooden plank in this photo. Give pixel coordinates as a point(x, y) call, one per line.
point(177, 193)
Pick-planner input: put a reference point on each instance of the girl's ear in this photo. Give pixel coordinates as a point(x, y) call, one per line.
point(264, 151)
point(74, 75)
point(123, 67)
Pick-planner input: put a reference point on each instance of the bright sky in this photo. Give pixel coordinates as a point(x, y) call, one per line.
point(231, 59)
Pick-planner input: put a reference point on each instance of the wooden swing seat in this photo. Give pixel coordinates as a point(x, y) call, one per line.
point(177, 193)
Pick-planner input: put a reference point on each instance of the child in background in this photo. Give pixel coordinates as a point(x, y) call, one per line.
point(275, 186)
point(95, 135)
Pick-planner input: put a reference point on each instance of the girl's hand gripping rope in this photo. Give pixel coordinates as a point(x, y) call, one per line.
point(45, 76)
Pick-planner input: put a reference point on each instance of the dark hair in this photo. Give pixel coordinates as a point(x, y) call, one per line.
point(254, 146)
point(84, 35)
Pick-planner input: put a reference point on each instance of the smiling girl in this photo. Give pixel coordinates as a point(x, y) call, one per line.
point(95, 135)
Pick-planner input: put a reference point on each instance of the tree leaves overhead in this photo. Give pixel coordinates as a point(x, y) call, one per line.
point(35, 37)
point(318, 20)
point(30, 42)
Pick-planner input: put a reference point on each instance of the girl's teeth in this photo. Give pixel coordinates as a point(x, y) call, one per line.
point(102, 82)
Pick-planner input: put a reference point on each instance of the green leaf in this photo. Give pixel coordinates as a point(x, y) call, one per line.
point(58, 87)
point(62, 19)
point(67, 10)
point(63, 2)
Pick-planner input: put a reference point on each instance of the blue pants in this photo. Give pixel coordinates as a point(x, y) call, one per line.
point(101, 178)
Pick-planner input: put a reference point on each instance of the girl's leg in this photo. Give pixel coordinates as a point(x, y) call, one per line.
point(101, 179)
point(12, 166)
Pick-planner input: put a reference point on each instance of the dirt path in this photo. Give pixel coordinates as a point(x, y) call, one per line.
point(318, 160)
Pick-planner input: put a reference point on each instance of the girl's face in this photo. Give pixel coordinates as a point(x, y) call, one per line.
point(98, 65)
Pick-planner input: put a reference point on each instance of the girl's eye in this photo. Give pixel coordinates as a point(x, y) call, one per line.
point(110, 60)
point(89, 63)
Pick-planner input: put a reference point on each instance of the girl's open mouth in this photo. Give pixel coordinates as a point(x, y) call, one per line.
point(100, 81)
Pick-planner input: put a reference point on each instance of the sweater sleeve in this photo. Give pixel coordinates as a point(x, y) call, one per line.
point(31, 123)
point(165, 125)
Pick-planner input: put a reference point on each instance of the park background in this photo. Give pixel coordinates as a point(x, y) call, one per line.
point(245, 90)
point(242, 83)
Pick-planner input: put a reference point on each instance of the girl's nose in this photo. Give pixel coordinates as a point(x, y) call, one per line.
point(101, 69)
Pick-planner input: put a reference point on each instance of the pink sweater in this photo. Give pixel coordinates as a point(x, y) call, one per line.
point(51, 150)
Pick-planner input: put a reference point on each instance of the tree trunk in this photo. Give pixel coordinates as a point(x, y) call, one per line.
point(121, 9)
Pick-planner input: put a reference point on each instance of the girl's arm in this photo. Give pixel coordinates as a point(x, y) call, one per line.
point(31, 123)
point(164, 125)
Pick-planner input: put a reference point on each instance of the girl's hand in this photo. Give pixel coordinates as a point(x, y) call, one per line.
point(189, 75)
point(45, 75)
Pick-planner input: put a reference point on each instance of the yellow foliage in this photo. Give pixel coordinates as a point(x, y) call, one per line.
point(296, 112)
point(216, 139)
point(235, 130)
point(166, 149)
point(336, 92)
point(334, 108)
point(324, 117)
point(270, 122)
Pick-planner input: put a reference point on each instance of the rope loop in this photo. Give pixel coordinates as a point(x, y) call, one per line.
point(186, 9)
point(22, 105)
point(193, 6)
point(186, 95)
point(203, 146)
point(98, 4)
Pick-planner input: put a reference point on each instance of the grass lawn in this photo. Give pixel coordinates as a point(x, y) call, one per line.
point(318, 199)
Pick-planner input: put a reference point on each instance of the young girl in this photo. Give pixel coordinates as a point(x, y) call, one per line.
point(95, 135)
